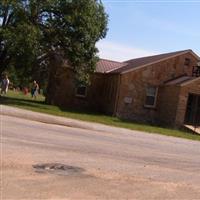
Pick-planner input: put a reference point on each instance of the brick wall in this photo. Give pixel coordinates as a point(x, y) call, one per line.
point(130, 93)
point(101, 93)
point(168, 99)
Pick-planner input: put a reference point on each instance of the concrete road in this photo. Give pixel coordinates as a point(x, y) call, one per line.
point(106, 165)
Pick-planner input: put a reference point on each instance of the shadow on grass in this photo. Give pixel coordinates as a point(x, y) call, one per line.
point(84, 114)
point(36, 104)
point(16, 101)
point(87, 111)
point(25, 98)
point(12, 101)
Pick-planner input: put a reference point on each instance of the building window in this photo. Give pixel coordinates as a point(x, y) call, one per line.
point(151, 95)
point(187, 62)
point(81, 91)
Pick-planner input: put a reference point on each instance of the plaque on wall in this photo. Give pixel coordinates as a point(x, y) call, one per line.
point(128, 100)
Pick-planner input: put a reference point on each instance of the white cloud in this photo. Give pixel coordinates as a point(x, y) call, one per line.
point(120, 52)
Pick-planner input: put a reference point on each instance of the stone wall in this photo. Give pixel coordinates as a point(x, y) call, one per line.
point(133, 86)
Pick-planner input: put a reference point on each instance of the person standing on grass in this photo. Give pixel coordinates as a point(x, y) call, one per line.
point(34, 89)
point(4, 85)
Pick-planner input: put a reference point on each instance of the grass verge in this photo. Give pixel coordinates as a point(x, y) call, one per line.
point(18, 99)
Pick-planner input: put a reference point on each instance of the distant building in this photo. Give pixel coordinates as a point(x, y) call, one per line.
point(160, 89)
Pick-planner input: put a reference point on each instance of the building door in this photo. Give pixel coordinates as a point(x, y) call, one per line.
point(192, 116)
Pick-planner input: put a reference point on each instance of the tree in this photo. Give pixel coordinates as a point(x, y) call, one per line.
point(32, 30)
point(19, 39)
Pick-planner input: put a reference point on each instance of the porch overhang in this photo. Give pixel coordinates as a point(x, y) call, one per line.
point(191, 81)
point(180, 89)
point(182, 81)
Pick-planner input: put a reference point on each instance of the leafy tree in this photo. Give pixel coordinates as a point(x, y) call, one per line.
point(31, 31)
point(19, 39)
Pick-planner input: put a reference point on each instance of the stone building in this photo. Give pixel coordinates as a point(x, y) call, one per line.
point(161, 89)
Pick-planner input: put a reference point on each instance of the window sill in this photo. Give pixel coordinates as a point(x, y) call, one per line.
point(150, 107)
point(80, 96)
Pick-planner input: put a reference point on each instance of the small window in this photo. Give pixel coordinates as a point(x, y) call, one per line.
point(81, 91)
point(151, 95)
point(187, 62)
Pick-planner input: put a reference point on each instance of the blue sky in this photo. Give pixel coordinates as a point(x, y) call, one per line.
point(142, 28)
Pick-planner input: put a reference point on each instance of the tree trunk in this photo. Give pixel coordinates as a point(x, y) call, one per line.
point(55, 62)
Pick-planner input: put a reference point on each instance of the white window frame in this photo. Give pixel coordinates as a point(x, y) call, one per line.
point(155, 97)
point(79, 95)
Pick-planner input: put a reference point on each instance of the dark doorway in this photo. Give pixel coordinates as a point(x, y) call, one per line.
point(192, 116)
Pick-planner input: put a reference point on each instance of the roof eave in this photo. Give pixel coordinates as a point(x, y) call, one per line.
point(163, 59)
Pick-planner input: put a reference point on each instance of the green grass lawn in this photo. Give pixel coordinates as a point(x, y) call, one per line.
point(18, 99)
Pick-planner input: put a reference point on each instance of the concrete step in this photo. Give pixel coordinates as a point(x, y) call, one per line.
point(195, 129)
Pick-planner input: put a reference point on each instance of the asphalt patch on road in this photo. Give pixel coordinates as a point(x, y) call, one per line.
point(58, 169)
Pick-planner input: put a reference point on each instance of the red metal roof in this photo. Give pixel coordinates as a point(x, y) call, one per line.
point(105, 66)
